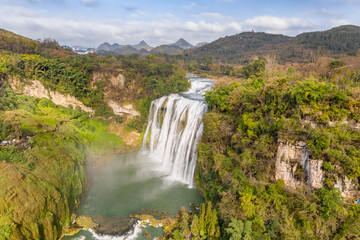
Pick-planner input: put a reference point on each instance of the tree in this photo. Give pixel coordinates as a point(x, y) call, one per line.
point(195, 227)
point(256, 68)
point(238, 230)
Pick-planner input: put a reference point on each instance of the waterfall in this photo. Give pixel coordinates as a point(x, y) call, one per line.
point(174, 127)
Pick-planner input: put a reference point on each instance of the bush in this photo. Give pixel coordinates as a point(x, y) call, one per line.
point(255, 68)
point(136, 124)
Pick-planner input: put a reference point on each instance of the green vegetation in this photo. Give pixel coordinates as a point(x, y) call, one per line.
point(146, 78)
point(200, 224)
point(69, 75)
point(237, 154)
point(18, 44)
point(255, 68)
point(241, 47)
point(43, 172)
point(153, 77)
point(342, 39)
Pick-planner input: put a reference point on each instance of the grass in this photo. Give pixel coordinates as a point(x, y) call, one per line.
point(42, 184)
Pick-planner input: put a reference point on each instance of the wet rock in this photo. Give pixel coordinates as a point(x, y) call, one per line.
point(113, 226)
point(146, 234)
point(85, 222)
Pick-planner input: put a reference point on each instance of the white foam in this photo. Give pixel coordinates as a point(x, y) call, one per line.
point(130, 236)
point(174, 127)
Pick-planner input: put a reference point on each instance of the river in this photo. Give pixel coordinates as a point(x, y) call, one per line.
point(157, 180)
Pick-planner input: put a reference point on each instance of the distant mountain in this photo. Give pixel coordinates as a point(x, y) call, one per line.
point(125, 50)
point(143, 52)
point(143, 48)
point(104, 47)
point(200, 44)
point(183, 44)
point(167, 49)
point(241, 47)
point(116, 47)
point(142, 45)
point(108, 47)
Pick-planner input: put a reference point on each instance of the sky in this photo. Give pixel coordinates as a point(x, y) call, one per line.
point(91, 22)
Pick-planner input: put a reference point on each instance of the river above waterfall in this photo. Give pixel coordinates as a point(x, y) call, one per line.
point(159, 178)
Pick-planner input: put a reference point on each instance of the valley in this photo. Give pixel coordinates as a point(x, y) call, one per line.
point(252, 136)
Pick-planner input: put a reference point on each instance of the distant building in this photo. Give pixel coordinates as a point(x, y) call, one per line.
point(82, 50)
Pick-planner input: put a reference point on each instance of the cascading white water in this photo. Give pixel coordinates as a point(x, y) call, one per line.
point(175, 124)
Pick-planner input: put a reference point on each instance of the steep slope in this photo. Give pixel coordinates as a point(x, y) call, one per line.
point(42, 172)
point(279, 159)
point(343, 39)
point(241, 47)
point(15, 43)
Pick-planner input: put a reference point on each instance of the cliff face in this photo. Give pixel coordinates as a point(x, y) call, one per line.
point(114, 84)
point(296, 169)
point(117, 80)
point(36, 89)
point(123, 109)
point(66, 100)
point(38, 204)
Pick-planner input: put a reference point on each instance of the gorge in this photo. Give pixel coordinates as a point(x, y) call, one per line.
point(159, 177)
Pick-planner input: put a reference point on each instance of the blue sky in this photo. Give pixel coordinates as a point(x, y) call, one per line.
point(92, 22)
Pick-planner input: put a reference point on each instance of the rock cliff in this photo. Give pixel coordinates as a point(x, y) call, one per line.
point(35, 88)
point(113, 86)
point(295, 167)
point(123, 109)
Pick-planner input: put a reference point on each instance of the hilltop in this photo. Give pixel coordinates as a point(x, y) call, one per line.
point(243, 46)
point(143, 48)
point(182, 43)
point(239, 48)
point(10, 41)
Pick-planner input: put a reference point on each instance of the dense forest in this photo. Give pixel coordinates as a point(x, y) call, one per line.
point(247, 120)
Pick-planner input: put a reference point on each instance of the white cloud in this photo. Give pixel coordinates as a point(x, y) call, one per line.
point(78, 31)
point(278, 24)
point(164, 28)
